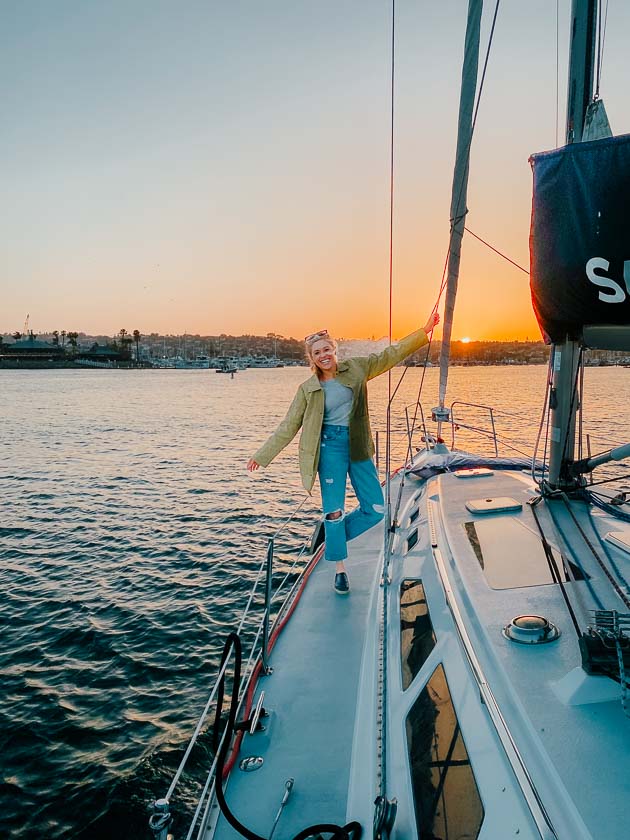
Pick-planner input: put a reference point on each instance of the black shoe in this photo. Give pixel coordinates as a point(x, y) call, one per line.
point(342, 586)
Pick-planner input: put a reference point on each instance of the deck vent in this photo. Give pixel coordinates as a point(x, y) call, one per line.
point(531, 630)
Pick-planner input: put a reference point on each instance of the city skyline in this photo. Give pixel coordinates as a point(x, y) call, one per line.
point(201, 169)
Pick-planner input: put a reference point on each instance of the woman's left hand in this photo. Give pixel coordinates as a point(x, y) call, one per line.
point(434, 320)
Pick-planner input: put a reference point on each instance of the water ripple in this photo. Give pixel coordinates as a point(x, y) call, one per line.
point(131, 536)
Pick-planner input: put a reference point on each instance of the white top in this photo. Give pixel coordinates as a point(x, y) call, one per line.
point(338, 403)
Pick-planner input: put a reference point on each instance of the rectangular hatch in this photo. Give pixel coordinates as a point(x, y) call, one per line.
point(509, 553)
point(499, 504)
point(473, 472)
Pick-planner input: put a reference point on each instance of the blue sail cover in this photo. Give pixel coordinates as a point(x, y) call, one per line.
point(580, 237)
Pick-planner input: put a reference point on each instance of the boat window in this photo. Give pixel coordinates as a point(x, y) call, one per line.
point(417, 638)
point(412, 539)
point(414, 515)
point(446, 799)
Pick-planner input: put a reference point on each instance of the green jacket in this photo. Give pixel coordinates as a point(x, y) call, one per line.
point(307, 409)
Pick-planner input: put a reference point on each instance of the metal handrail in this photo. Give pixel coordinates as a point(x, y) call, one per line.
point(474, 405)
point(265, 643)
point(265, 627)
point(407, 436)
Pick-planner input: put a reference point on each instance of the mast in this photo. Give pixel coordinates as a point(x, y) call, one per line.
point(566, 355)
point(460, 182)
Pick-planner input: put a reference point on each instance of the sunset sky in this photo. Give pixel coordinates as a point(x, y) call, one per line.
point(209, 167)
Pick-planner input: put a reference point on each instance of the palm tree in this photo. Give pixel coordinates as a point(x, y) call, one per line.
point(72, 340)
point(55, 335)
point(136, 338)
point(63, 338)
point(125, 343)
point(17, 335)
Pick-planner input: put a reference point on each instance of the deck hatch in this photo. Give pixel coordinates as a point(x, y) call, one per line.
point(511, 555)
point(417, 638)
point(446, 798)
point(473, 472)
point(499, 504)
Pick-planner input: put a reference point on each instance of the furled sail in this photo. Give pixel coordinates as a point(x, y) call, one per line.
point(580, 237)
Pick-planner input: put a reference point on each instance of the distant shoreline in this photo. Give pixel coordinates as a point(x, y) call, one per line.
point(73, 366)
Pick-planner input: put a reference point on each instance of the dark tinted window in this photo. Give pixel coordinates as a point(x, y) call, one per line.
point(416, 633)
point(446, 798)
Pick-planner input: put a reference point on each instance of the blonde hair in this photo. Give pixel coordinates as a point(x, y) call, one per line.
point(309, 358)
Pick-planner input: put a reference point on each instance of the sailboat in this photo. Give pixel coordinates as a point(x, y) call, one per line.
point(476, 682)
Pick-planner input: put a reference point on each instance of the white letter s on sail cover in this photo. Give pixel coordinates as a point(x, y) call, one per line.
point(616, 294)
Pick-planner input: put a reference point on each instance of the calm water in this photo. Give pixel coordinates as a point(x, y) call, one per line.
point(129, 539)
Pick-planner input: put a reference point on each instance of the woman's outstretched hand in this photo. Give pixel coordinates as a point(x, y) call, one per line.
point(434, 320)
point(252, 465)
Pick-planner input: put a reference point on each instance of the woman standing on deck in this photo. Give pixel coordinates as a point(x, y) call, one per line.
point(336, 441)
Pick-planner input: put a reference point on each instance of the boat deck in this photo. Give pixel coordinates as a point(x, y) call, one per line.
point(569, 727)
point(311, 697)
point(550, 761)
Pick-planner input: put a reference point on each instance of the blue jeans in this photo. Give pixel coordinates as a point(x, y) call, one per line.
point(334, 466)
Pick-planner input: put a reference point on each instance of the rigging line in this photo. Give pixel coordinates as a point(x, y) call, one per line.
point(570, 558)
point(455, 208)
point(581, 414)
point(611, 561)
point(424, 370)
point(574, 389)
point(404, 373)
point(601, 38)
point(542, 422)
point(622, 595)
point(553, 566)
point(608, 480)
point(599, 50)
point(474, 122)
point(557, 73)
point(552, 357)
point(496, 251)
point(604, 36)
point(461, 187)
point(485, 66)
point(382, 687)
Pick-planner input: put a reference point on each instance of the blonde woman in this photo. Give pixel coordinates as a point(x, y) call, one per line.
point(336, 441)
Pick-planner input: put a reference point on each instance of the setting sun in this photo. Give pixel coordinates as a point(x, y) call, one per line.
point(465, 340)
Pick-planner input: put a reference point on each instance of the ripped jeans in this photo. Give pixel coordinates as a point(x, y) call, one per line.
point(334, 466)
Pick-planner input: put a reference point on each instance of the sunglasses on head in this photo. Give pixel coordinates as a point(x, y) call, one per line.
point(316, 336)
